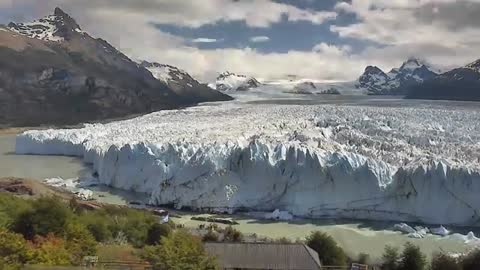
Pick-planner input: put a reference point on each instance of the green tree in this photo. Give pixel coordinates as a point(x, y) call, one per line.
point(328, 250)
point(134, 224)
point(47, 215)
point(441, 261)
point(180, 250)
point(156, 232)
point(13, 250)
point(472, 260)
point(390, 258)
point(412, 258)
point(80, 242)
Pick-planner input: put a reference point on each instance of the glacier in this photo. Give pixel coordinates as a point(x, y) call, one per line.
point(406, 164)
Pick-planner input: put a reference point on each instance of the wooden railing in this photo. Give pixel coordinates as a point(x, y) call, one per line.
point(130, 265)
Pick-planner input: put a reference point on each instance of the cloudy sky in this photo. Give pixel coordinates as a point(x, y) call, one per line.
point(317, 39)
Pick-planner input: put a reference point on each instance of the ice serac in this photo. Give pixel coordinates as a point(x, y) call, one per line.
point(312, 161)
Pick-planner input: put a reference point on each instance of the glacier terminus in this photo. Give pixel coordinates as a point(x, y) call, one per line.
point(397, 163)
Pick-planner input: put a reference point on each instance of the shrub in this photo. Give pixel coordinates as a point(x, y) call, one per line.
point(47, 215)
point(442, 261)
point(10, 209)
point(283, 240)
point(412, 258)
point(328, 250)
point(210, 236)
point(390, 258)
point(156, 232)
point(363, 258)
point(231, 234)
point(180, 250)
point(472, 260)
point(49, 250)
point(13, 250)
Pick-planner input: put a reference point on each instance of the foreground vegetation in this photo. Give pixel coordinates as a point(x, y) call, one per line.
point(48, 231)
point(52, 232)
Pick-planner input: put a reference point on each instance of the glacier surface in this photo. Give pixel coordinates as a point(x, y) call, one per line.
point(382, 163)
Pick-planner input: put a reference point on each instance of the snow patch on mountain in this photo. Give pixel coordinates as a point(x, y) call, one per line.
point(383, 163)
point(228, 81)
point(165, 73)
point(43, 29)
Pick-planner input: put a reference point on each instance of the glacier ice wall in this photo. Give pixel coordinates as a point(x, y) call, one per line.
point(313, 161)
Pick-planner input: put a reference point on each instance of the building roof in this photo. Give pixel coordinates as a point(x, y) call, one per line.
point(264, 256)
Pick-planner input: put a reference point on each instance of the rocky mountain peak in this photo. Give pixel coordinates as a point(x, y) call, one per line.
point(64, 22)
point(373, 70)
point(57, 27)
point(474, 65)
point(59, 12)
point(412, 63)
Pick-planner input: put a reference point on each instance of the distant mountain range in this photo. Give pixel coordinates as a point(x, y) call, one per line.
point(396, 82)
point(53, 72)
point(416, 80)
point(458, 84)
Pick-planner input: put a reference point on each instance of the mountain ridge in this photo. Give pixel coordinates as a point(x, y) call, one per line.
point(461, 83)
point(52, 72)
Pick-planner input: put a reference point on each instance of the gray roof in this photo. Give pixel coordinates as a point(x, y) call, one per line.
point(264, 256)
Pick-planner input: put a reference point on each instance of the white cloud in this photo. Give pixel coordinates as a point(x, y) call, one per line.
point(444, 32)
point(205, 40)
point(259, 39)
point(189, 13)
point(397, 29)
point(332, 50)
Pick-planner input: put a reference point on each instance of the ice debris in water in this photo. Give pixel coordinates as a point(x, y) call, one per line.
point(442, 231)
point(279, 215)
point(73, 185)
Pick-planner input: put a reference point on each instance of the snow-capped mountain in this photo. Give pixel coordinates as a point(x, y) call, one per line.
point(228, 81)
point(458, 84)
point(306, 88)
point(180, 81)
point(52, 72)
point(475, 66)
point(54, 27)
point(397, 81)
